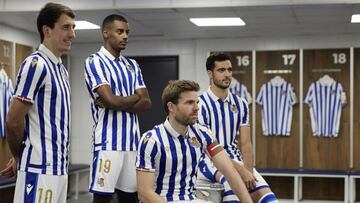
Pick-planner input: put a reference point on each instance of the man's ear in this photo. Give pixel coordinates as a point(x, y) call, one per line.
point(105, 34)
point(170, 106)
point(46, 31)
point(210, 74)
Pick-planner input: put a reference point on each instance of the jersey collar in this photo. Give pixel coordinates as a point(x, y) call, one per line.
point(43, 49)
point(172, 131)
point(108, 54)
point(216, 98)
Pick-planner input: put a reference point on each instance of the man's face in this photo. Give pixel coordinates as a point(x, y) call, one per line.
point(117, 35)
point(62, 35)
point(186, 109)
point(221, 75)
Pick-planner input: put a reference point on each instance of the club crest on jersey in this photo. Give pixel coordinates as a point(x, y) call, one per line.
point(130, 68)
point(194, 142)
point(34, 61)
point(234, 108)
point(100, 182)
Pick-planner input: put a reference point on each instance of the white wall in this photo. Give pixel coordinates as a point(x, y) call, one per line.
point(192, 55)
point(19, 36)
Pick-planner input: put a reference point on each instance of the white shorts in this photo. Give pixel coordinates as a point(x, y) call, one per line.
point(34, 188)
point(212, 169)
point(113, 169)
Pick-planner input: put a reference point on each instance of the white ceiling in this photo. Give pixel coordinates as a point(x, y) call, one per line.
point(168, 19)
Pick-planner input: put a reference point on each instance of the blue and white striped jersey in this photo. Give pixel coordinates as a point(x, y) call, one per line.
point(6, 91)
point(113, 130)
point(276, 99)
point(173, 158)
point(325, 102)
point(224, 118)
point(43, 81)
point(240, 89)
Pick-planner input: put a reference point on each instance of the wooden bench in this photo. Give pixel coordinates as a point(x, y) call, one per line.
point(298, 174)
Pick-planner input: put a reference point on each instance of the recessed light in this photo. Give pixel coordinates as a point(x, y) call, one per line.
point(85, 25)
point(236, 21)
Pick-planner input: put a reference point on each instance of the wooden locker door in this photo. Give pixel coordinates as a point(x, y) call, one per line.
point(323, 152)
point(277, 151)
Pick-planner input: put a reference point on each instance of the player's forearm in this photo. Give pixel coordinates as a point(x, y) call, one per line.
point(246, 151)
point(15, 135)
point(141, 105)
point(150, 196)
point(120, 103)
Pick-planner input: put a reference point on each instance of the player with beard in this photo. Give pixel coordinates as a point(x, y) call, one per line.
point(168, 155)
point(227, 115)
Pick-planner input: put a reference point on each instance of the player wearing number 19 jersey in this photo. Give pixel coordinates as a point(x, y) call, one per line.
point(117, 93)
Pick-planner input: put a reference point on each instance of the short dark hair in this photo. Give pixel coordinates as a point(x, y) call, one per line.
point(210, 61)
point(111, 18)
point(50, 14)
point(174, 88)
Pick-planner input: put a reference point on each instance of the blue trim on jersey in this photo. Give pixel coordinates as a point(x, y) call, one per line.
point(104, 129)
point(269, 197)
point(258, 188)
point(238, 107)
point(174, 161)
point(140, 81)
point(162, 165)
point(41, 101)
point(141, 151)
point(53, 103)
point(194, 172)
point(19, 76)
point(131, 132)
point(31, 180)
point(114, 131)
point(123, 131)
point(93, 71)
point(93, 172)
point(29, 77)
point(183, 171)
point(213, 105)
point(221, 102)
point(119, 67)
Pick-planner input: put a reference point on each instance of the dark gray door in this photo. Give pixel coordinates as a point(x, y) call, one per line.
point(156, 71)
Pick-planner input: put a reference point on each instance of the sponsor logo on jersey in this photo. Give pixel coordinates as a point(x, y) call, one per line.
point(34, 62)
point(100, 182)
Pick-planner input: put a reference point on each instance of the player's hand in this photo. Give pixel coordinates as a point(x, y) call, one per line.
point(248, 177)
point(99, 102)
point(10, 170)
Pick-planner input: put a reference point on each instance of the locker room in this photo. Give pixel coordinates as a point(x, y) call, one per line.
point(296, 63)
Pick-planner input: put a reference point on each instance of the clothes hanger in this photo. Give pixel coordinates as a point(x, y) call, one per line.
point(326, 79)
point(277, 79)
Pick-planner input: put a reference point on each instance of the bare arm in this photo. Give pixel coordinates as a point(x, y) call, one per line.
point(15, 125)
point(111, 101)
point(145, 181)
point(225, 166)
point(246, 148)
point(143, 104)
